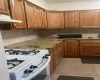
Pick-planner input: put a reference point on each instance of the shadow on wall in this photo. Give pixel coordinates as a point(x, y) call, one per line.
point(49, 32)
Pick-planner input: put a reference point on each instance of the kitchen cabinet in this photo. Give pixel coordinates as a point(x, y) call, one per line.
point(18, 13)
point(55, 19)
point(71, 48)
point(38, 17)
point(56, 55)
point(52, 64)
point(89, 19)
point(90, 47)
point(30, 14)
point(72, 19)
point(4, 7)
point(44, 18)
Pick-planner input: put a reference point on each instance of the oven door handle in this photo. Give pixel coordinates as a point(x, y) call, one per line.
point(39, 70)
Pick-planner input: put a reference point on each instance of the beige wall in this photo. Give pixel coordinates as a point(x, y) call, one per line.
point(83, 5)
point(75, 5)
point(41, 3)
point(10, 36)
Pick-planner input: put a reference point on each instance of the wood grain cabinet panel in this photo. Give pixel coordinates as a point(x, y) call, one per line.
point(4, 7)
point(18, 13)
point(38, 17)
point(30, 14)
point(90, 47)
point(72, 48)
point(55, 19)
point(89, 19)
point(71, 19)
point(56, 56)
point(44, 18)
point(52, 64)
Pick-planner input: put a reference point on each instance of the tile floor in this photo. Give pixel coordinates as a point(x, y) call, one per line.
point(78, 67)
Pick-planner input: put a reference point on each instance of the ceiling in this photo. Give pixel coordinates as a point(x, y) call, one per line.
point(66, 1)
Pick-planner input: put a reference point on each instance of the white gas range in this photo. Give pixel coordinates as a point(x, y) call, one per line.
point(28, 64)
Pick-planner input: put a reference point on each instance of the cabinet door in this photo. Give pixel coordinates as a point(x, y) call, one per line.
point(29, 8)
point(52, 64)
point(38, 17)
point(71, 19)
point(71, 48)
point(4, 6)
point(18, 13)
point(89, 19)
point(44, 19)
point(55, 19)
point(89, 49)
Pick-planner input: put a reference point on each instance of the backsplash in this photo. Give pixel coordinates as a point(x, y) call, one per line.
point(15, 36)
point(50, 32)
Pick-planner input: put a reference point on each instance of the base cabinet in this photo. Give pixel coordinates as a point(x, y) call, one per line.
point(56, 56)
point(71, 48)
point(90, 48)
point(52, 64)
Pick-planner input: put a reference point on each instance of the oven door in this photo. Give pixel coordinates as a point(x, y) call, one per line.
point(42, 72)
point(43, 75)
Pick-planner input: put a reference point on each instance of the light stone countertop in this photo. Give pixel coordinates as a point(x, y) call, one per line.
point(43, 43)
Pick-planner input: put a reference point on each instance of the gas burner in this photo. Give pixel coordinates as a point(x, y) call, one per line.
point(13, 63)
point(21, 52)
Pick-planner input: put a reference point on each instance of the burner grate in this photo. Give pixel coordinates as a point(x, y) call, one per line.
point(21, 52)
point(13, 62)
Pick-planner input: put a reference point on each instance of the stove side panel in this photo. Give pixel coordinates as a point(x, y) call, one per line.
point(3, 64)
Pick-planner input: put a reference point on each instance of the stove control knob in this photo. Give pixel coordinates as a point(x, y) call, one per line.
point(32, 67)
point(30, 71)
point(26, 71)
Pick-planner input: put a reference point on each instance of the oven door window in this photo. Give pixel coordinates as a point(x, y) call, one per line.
point(42, 76)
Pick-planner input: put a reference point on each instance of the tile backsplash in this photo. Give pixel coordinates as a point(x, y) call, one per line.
point(15, 36)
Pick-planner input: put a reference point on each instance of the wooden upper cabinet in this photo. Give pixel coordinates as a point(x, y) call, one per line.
point(72, 48)
point(30, 14)
point(18, 13)
point(44, 19)
point(55, 19)
point(4, 7)
point(38, 17)
point(71, 19)
point(89, 19)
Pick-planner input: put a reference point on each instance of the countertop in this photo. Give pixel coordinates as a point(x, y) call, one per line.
point(42, 43)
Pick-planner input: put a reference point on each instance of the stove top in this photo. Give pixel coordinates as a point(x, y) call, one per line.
point(24, 63)
point(17, 58)
point(21, 52)
point(13, 63)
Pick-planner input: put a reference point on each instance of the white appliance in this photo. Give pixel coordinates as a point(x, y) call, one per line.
point(7, 19)
point(28, 64)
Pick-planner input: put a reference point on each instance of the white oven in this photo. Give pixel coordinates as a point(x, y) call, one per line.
point(28, 65)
